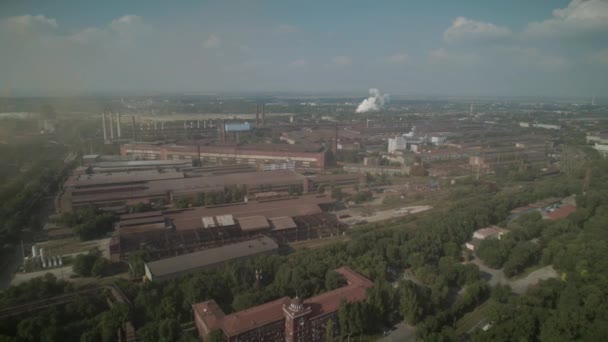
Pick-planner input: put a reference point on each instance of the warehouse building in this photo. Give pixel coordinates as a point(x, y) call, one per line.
point(284, 319)
point(182, 231)
point(169, 268)
point(118, 191)
point(304, 157)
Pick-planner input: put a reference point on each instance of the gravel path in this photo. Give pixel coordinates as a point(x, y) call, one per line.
point(519, 286)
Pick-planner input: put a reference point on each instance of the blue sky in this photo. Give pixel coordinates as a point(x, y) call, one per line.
point(488, 47)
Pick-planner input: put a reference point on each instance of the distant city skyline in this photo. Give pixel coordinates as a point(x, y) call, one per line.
point(465, 48)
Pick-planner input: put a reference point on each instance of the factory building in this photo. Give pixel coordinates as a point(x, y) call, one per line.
point(182, 231)
point(303, 157)
point(169, 268)
point(397, 143)
point(284, 319)
point(118, 191)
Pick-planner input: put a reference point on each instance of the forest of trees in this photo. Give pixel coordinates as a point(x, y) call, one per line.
point(570, 307)
point(89, 222)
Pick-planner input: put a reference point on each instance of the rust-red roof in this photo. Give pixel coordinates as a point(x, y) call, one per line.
point(255, 317)
point(561, 212)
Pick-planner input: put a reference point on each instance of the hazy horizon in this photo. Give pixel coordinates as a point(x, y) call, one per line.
point(467, 49)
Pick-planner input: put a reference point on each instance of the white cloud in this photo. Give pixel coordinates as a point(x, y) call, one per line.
point(125, 22)
point(465, 30)
point(298, 63)
point(28, 23)
point(341, 61)
point(213, 41)
point(581, 17)
point(399, 58)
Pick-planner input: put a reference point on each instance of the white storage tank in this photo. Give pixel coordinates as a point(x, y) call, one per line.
point(34, 251)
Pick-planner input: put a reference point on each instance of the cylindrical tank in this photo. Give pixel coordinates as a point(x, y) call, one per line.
point(54, 261)
point(43, 262)
point(60, 260)
point(41, 252)
point(34, 251)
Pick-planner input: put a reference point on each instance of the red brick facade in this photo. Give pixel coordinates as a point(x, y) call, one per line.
point(285, 319)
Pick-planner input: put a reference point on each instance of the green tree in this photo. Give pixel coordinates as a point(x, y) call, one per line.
point(83, 264)
point(409, 305)
point(169, 330)
point(216, 336)
point(329, 331)
point(101, 267)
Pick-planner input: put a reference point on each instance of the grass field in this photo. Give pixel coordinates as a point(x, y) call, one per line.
point(468, 321)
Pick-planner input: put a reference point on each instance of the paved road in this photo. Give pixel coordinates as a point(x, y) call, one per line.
point(519, 286)
point(403, 333)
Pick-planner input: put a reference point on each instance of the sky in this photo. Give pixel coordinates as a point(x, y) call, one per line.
point(431, 47)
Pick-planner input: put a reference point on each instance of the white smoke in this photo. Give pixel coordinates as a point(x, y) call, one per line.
point(372, 103)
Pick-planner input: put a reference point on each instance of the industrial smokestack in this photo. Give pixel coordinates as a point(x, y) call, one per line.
point(133, 119)
point(111, 127)
point(334, 147)
point(118, 124)
point(103, 120)
point(257, 114)
point(263, 114)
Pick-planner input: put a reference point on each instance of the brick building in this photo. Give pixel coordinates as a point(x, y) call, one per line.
point(284, 319)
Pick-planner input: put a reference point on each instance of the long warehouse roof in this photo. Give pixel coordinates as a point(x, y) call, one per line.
point(212, 256)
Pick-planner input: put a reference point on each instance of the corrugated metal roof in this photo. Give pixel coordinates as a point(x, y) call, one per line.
point(208, 257)
point(208, 222)
point(253, 222)
point(225, 220)
point(284, 222)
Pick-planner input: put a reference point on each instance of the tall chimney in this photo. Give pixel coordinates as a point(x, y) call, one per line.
point(263, 114)
point(111, 127)
point(257, 114)
point(133, 119)
point(118, 123)
point(334, 147)
point(103, 120)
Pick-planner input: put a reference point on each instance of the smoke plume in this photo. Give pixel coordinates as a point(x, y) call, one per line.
point(372, 103)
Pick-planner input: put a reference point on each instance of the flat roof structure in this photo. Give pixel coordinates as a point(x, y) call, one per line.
point(255, 222)
point(489, 232)
point(187, 263)
point(191, 219)
point(144, 186)
point(284, 222)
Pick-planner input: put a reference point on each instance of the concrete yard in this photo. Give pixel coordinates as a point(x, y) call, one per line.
point(64, 273)
point(359, 215)
point(519, 286)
